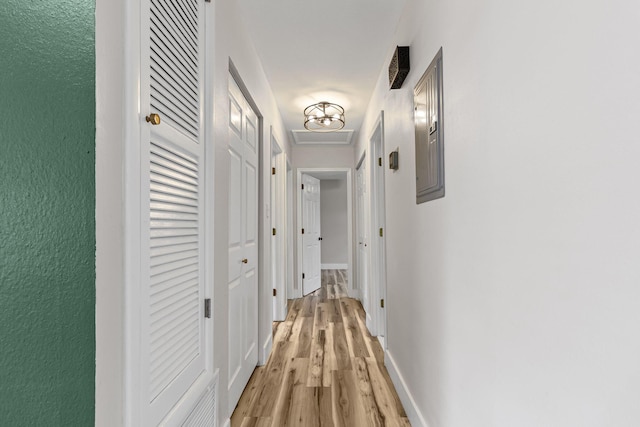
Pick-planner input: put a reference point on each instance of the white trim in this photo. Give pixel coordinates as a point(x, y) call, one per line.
point(299, 172)
point(115, 68)
point(266, 350)
point(227, 423)
point(132, 212)
point(209, 200)
point(408, 402)
point(334, 266)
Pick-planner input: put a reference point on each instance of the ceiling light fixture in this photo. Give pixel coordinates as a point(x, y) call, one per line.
point(324, 117)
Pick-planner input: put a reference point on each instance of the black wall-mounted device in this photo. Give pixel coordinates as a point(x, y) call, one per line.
point(399, 67)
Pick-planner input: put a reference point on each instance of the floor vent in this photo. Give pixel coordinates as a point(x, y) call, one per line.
point(206, 411)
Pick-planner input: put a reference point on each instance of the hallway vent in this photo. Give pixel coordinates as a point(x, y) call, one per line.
point(174, 294)
point(175, 85)
point(205, 412)
point(340, 137)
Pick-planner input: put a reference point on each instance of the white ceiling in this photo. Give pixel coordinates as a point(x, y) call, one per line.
point(329, 50)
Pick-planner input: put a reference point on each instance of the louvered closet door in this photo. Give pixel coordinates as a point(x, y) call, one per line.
point(173, 345)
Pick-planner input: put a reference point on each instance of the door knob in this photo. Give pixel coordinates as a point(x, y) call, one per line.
point(153, 118)
point(244, 260)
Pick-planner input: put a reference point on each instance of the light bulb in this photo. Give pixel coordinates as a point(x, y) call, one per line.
point(326, 121)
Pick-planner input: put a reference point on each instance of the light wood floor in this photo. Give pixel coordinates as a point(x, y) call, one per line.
point(325, 368)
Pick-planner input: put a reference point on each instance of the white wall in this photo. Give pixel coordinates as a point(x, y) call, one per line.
point(515, 300)
point(333, 221)
point(313, 156)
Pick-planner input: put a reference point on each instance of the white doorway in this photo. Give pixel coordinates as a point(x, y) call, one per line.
point(290, 232)
point(362, 235)
point(311, 237)
point(278, 230)
point(378, 278)
point(243, 242)
point(323, 176)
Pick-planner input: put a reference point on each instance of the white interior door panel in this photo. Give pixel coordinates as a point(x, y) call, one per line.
point(243, 243)
point(311, 255)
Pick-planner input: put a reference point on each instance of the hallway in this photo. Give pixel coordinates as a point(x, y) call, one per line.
point(325, 368)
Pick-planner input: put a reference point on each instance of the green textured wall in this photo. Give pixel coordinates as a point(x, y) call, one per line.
point(47, 203)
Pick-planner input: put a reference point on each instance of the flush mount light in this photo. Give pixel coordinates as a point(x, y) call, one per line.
point(324, 117)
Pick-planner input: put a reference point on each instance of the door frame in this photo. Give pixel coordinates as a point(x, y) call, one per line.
point(265, 311)
point(261, 277)
point(312, 235)
point(363, 277)
point(290, 231)
point(278, 244)
point(297, 292)
point(377, 255)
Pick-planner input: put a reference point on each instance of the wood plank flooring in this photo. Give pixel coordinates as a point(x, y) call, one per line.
point(325, 368)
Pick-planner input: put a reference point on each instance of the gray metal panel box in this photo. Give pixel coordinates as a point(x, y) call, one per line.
point(428, 117)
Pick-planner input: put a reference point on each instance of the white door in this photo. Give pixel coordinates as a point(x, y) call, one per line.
point(378, 266)
point(278, 264)
point(173, 367)
point(311, 234)
point(243, 243)
point(362, 229)
point(290, 232)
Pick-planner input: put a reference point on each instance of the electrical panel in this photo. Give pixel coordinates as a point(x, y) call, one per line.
point(429, 133)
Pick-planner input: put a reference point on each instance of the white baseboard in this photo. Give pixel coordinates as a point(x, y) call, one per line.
point(227, 423)
point(410, 407)
point(266, 350)
point(334, 266)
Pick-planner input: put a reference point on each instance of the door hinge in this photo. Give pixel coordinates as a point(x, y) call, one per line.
point(303, 231)
point(207, 308)
point(274, 292)
point(273, 231)
point(382, 303)
point(273, 171)
point(303, 275)
point(381, 232)
point(379, 161)
point(303, 186)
